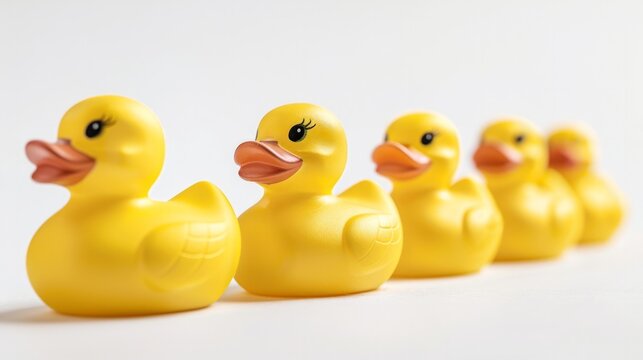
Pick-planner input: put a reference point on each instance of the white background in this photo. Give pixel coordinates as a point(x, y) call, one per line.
point(212, 69)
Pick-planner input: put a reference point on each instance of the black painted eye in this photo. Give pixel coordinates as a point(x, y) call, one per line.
point(298, 132)
point(427, 138)
point(94, 128)
point(519, 139)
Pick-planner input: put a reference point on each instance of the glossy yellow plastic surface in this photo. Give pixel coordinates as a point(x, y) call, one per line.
point(541, 215)
point(449, 229)
point(300, 239)
point(111, 250)
point(572, 155)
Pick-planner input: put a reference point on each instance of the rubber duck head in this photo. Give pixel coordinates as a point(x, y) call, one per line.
point(511, 151)
point(571, 150)
point(419, 150)
point(299, 148)
point(107, 146)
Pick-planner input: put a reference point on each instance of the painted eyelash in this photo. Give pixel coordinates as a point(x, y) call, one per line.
point(107, 120)
point(307, 126)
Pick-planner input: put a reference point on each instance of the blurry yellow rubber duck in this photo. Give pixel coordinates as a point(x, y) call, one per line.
point(111, 250)
point(300, 239)
point(541, 215)
point(449, 229)
point(571, 153)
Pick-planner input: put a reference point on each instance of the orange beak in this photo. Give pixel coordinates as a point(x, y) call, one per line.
point(399, 162)
point(265, 162)
point(58, 163)
point(561, 158)
point(494, 158)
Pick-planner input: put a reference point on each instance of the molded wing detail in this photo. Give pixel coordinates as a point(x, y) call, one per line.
point(203, 195)
point(565, 219)
point(368, 193)
point(565, 212)
point(184, 254)
point(470, 187)
point(482, 223)
point(368, 238)
point(555, 182)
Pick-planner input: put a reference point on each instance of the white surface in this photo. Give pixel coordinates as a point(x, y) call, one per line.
point(211, 70)
point(585, 306)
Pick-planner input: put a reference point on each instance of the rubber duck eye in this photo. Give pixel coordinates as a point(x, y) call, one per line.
point(427, 138)
point(297, 133)
point(94, 128)
point(519, 139)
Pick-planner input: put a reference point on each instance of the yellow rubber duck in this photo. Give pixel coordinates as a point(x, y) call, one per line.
point(449, 229)
point(300, 240)
point(571, 153)
point(541, 215)
point(111, 250)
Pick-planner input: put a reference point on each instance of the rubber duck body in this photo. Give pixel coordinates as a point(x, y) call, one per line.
point(541, 215)
point(449, 229)
point(571, 153)
point(111, 250)
point(300, 240)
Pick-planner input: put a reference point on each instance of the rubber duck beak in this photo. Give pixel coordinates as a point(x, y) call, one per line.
point(399, 162)
point(561, 158)
point(58, 163)
point(265, 162)
point(495, 158)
